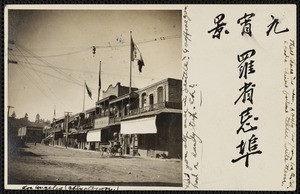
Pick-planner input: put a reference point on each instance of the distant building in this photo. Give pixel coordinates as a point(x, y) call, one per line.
point(37, 118)
point(31, 134)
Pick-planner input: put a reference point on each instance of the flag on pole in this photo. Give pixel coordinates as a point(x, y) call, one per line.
point(136, 55)
point(88, 91)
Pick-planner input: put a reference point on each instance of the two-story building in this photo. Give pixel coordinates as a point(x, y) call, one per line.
point(153, 126)
point(105, 124)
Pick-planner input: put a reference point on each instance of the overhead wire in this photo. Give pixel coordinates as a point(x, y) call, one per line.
point(40, 78)
point(30, 78)
point(50, 75)
point(59, 55)
point(105, 47)
point(52, 67)
point(69, 79)
point(59, 70)
point(84, 71)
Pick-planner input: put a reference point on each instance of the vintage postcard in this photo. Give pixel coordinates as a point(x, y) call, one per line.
point(156, 97)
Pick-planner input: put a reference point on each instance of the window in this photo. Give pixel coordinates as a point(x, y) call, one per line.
point(151, 100)
point(144, 99)
point(97, 110)
point(160, 95)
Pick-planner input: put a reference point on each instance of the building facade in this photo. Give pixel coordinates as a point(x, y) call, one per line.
point(147, 122)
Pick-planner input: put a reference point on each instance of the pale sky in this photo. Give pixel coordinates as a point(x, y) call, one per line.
point(53, 50)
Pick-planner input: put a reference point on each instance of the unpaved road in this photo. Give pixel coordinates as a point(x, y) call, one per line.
point(42, 164)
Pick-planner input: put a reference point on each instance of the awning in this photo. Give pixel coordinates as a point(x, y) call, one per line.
point(94, 135)
point(139, 126)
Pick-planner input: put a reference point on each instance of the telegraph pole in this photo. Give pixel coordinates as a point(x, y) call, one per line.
point(67, 126)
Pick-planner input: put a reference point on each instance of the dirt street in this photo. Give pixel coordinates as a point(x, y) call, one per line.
point(42, 164)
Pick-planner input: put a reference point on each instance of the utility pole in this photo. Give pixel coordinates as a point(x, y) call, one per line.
point(67, 126)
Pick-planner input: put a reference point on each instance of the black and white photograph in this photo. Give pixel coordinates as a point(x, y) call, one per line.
point(150, 97)
point(94, 97)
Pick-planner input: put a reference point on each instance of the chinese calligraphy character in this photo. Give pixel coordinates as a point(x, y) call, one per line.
point(245, 22)
point(245, 116)
point(252, 149)
point(247, 67)
point(273, 26)
point(247, 93)
point(244, 56)
point(220, 26)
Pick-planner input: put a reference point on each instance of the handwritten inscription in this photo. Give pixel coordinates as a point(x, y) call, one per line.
point(250, 146)
point(289, 94)
point(191, 141)
point(68, 187)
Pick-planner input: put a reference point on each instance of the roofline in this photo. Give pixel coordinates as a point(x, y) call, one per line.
point(118, 83)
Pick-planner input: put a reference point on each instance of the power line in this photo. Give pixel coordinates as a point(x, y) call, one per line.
point(52, 75)
point(59, 55)
point(162, 38)
point(29, 77)
point(42, 89)
point(52, 66)
point(84, 71)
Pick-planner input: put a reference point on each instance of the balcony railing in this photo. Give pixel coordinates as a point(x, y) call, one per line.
point(105, 114)
point(113, 120)
point(153, 107)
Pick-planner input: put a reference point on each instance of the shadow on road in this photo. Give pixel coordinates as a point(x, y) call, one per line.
point(21, 152)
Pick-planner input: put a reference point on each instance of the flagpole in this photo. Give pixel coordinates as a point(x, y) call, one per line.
point(83, 95)
point(99, 84)
point(131, 49)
